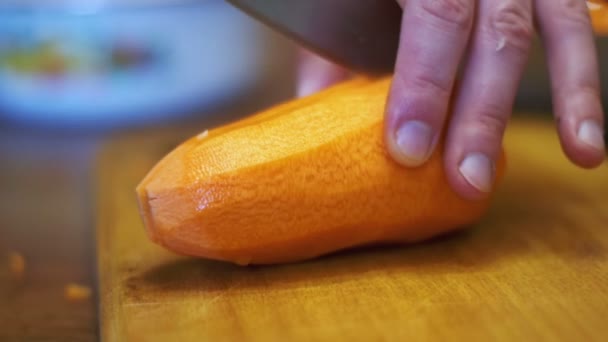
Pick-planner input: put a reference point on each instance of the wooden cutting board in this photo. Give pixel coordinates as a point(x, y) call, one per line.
point(536, 268)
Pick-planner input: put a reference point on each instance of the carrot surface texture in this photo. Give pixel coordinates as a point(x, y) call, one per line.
point(300, 180)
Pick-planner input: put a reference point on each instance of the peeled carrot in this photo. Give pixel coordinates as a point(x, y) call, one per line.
point(300, 180)
point(598, 13)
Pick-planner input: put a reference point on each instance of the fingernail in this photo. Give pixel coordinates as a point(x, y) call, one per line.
point(478, 170)
point(590, 133)
point(414, 140)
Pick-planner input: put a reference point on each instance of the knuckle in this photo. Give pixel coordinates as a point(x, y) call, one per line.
point(587, 87)
point(573, 13)
point(421, 97)
point(458, 13)
point(430, 85)
point(574, 5)
point(490, 121)
point(513, 25)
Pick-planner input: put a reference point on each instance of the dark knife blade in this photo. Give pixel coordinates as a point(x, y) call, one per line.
point(362, 35)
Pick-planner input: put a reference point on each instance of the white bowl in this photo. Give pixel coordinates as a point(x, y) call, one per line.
point(95, 62)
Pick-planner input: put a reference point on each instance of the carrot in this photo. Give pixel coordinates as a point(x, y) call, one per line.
point(77, 292)
point(306, 178)
point(16, 264)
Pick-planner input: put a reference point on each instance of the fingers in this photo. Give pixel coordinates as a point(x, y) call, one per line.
point(498, 53)
point(572, 60)
point(315, 73)
point(433, 40)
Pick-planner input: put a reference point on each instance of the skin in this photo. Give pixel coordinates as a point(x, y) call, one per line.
point(490, 40)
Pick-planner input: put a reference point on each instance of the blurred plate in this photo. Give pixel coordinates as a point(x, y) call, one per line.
point(98, 62)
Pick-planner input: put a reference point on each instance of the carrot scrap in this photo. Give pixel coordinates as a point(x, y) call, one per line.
point(77, 292)
point(16, 264)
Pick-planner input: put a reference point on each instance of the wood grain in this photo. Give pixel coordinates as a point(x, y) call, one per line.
point(536, 268)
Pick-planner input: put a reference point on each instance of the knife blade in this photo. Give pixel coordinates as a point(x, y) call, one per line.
point(361, 35)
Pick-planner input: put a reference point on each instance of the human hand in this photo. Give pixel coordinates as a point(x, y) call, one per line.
point(492, 40)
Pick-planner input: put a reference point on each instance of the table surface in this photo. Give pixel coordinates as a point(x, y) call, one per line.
point(45, 216)
point(535, 268)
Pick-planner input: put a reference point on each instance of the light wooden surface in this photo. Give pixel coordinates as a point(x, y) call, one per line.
point(535, 269)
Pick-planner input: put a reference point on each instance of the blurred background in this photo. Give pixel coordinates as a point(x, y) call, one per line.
point(106, 64)
point(74, 74)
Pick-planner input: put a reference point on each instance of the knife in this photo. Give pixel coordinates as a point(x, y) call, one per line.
point(360, 35)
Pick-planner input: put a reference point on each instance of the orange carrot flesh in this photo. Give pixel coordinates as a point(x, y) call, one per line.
point(298, 181)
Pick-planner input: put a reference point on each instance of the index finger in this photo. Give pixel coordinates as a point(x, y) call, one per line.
point(434, 35)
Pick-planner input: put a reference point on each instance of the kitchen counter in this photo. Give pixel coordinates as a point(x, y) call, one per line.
point(45, 217)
